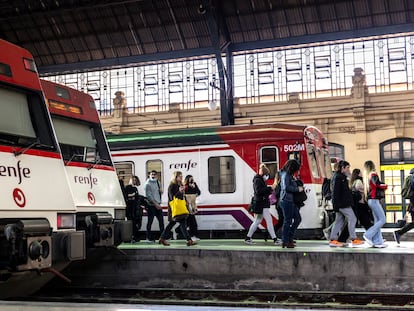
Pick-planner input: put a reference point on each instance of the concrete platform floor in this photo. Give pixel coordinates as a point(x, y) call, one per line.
point(232, 265)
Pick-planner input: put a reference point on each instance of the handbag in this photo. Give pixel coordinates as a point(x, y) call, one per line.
point(179, 210)
point(272, 198)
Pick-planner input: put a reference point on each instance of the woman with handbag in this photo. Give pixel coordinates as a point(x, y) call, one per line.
point(176, 196)
point(374, 191)
point(262, 206)
point(288, 189)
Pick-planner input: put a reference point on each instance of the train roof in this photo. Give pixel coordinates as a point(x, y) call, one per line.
point(69, 102)
point(205, 136)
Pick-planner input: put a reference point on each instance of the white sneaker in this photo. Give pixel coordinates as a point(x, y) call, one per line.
point(249, 241)
point(195, 239)
point(277, 242)
point(327, 233)
point(174, 235)
point(381, 246)
point(149, 241)
point(369, 242)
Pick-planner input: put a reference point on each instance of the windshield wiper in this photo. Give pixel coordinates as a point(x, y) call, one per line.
point(71, 158)
point(23, 150)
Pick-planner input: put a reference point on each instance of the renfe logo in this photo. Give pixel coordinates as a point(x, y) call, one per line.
point(18, 171)
point(184, 165)
point(86, 180)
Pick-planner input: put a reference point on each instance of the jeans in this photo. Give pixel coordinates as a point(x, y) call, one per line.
point(154, 212)
point(258, 219)
point(183, 227)
point(343, 216)
point(374, 233)
point(291, 221)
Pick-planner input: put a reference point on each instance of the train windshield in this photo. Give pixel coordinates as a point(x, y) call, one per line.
point(20, 115)
point(81, 142)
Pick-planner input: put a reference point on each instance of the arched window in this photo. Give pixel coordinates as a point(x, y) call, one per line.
point(397, 150)
point(336, 151)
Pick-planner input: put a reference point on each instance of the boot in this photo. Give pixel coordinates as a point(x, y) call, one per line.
point(163, 242)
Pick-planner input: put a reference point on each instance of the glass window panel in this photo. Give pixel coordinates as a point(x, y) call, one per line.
point(221, 174)
point(15, 104)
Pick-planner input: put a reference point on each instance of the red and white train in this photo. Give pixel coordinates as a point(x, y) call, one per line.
point(100, 205)
point(223, 162)
point(37, 211)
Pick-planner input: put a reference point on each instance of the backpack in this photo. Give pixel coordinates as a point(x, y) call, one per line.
point(326, 189)
point(406, 191)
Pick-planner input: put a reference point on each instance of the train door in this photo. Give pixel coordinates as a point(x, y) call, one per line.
point(269, 155)
point(125, 170)
point(156, 165)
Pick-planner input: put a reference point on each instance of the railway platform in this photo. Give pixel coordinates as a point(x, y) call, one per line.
point(232, 265)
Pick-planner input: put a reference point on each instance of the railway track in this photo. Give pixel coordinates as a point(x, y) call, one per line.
point(225, 297)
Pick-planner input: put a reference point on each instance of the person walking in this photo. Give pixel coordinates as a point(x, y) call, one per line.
point(374, 189)
point(262, 207)
point(192, 191)
point(288, 188)
point(175, 189)
point(154, 209)
point(361, 209)
point(409, 225)
point(276, 190)
point(342, 205)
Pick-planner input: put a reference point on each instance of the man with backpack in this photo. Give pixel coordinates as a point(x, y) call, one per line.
point(407, 192)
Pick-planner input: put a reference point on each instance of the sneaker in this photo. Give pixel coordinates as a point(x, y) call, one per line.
point(277, 242)
point(357, 242)
point(249, 241)
point(381, 246)
point(369, 242)
point(335, 243)
point(397, 237)
point(149, 241)
point(327, 234)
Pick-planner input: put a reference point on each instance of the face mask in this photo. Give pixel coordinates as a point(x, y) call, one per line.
point(153, 178)
point(265, 177)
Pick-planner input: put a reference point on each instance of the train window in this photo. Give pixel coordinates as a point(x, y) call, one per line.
point(221, 174)
point(15, 104)
point(125, 170)
point(270, 157)
point(313, 164)
point(155, 165)
point(326, 163)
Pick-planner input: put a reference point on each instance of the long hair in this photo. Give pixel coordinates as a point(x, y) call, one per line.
point(174, 177)
point(369, 167)
point(291, 166)
point(354, 176)
point(187, 179)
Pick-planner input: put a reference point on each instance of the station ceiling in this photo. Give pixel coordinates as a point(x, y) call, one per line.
point(71, 35)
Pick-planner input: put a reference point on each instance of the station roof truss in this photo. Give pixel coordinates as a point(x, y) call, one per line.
point(74, 35)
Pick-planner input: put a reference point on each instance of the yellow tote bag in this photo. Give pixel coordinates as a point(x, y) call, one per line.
point(179, 209)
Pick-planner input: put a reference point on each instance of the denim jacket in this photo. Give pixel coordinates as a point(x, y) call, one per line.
point(287, 186)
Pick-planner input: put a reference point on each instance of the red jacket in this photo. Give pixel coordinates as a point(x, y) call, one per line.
point(374, 185)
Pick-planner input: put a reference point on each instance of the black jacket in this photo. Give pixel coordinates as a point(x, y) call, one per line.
point(261, 192)
point(341, 194)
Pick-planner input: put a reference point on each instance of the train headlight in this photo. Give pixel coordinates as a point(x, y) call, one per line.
point(66, 221)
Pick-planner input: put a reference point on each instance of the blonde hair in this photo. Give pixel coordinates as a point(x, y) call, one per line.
point(174, 177)
point(369, 167)
point(264, 168)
